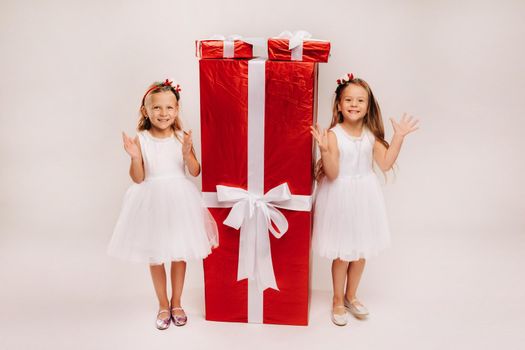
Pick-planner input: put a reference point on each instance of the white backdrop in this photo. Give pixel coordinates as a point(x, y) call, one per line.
point(72, 75)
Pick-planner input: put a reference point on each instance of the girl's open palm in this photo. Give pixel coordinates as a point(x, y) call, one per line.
point(187, 144)
point(321, 136)
point(405, 126)
point(131, 145)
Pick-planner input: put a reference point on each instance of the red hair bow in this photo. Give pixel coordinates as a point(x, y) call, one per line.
point(345, 79)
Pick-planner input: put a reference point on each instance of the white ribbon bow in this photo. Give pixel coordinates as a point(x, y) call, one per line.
point(296, 38)
point(255, 216)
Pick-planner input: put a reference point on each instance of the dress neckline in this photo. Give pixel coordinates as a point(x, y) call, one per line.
point(351, 137)
point(159, 139)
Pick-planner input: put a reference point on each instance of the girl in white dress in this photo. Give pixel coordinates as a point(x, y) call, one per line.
point(163, 218)
point(350, 222)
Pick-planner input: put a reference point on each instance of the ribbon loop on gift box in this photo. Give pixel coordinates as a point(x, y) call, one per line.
point(295, 42)
point(247, 203)
point(255, 216)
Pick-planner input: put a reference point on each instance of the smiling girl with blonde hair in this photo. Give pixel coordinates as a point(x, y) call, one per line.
point(163, 218)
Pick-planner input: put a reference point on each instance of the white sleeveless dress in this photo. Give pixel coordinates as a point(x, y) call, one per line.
point(350, 220)
point(163, 218)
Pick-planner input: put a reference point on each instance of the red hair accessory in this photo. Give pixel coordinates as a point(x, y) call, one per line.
point(170, 83)
point(345, 79)
point(157, 85)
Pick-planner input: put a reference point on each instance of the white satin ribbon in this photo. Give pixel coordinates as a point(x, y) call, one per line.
point(228, 44)
point(254, 211)
point(258, 44)
point(295, 42)
point(255, 216)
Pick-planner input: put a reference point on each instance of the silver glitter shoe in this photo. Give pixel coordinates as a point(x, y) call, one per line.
point(356, 308)
point(163, 323)
point(339, 320)
point(179, 320)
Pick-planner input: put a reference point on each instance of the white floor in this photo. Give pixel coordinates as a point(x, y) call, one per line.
point(128, 324)
point(455, 292)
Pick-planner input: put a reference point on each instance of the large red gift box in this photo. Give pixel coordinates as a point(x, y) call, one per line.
point(255, 124)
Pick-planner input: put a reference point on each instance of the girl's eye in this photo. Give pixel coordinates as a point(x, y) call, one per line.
point(156, 107)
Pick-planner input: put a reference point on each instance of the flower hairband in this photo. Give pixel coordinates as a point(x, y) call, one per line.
point(166, 82)
point(345, 79)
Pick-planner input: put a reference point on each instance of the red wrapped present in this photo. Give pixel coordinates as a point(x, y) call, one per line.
point(298, 47)
point(219, 46)
point(257, 157)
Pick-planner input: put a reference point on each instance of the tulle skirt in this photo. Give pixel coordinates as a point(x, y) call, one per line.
point(350, 220)
point(163, 220)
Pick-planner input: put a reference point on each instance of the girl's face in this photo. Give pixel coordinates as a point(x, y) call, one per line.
point(161, 108)
point(353, 103)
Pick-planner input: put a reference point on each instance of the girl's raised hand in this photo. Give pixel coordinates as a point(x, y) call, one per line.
point(405, 126)
point(131, 145)
point(187, 144)
point(321, 136)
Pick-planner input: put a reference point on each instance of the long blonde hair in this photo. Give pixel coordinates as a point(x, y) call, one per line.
point(372, 119)
point(144, 123)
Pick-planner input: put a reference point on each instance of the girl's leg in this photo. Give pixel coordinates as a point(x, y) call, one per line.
point(353, 277)
point(178, 272)
point(158, 275)
point(339, 269)
point(355, 271)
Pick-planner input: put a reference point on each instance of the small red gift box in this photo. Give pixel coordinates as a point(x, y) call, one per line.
point(223, 48)
point(298, 47)
point(257, 157)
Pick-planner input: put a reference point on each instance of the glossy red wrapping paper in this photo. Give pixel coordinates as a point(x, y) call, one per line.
point(290, 110)
point(313, 50)
point(215, 49)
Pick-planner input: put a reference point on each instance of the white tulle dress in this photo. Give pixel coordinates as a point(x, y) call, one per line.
point(350, 220)
point(163, 218)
